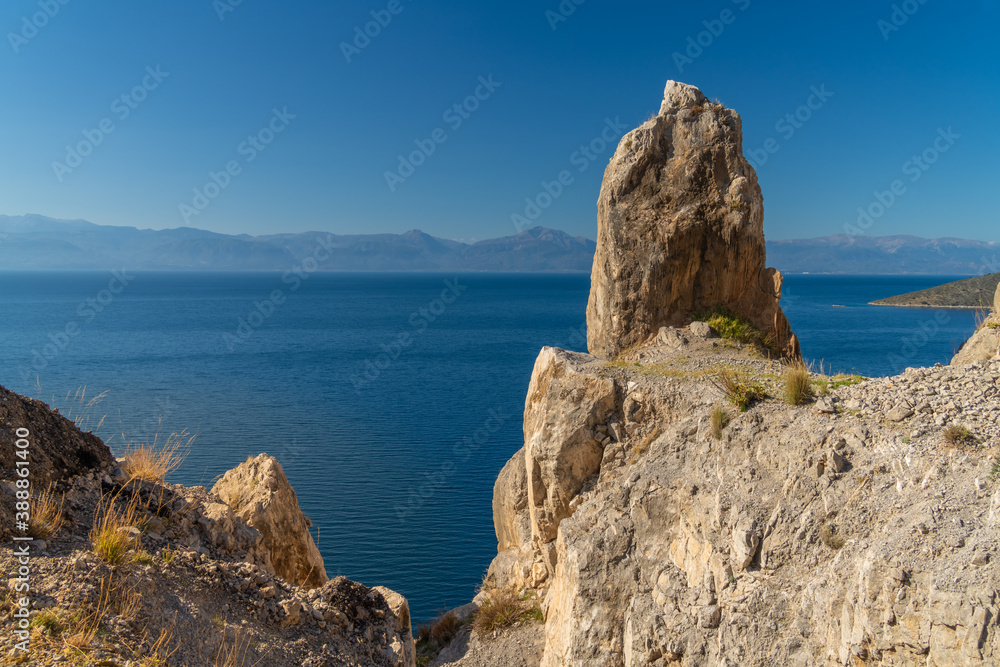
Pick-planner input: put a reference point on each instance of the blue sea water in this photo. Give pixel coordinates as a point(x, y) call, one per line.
point(391, 400)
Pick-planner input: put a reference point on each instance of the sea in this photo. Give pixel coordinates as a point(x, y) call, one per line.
point(391, 400)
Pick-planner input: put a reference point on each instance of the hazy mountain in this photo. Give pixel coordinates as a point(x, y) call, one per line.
point(36, 242)
point(885, 255)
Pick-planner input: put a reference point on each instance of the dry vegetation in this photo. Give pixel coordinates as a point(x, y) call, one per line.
point(505, 608)
point(740, 389)
point(114, 537)
point(797, 387)
point(47, 515)
point(152, 461)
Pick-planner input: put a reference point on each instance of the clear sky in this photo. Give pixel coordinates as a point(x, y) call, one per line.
point(199, 78)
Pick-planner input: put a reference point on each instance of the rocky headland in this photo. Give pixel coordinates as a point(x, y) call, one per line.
point(689, 493)
point(971, 293)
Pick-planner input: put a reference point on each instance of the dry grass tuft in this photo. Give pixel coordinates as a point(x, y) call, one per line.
point(828, 533)
point(234, 654)
point(720, 420)
point(113, 536)
point(152, 462)
point(79, 409)
point(956, 436)
point(503, 609)
point(741, 390)
point(797, 388)
point(47, 515)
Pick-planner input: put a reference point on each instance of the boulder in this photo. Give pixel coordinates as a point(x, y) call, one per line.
point(511, 517)
point(260, 494)
point(680, 230)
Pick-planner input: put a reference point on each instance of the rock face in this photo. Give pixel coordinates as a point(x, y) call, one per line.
point(985, 343)
point(58, 449)
point(260, 494)
point(799, 536)
point(680, 230)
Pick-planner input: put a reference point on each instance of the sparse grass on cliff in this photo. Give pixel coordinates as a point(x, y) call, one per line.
point(434, 636)
point(740, 389)
point(956, 436)
point(152, 462)
point(830, 537)
point(113, 537)
point(797, 387)
point(730, 326)
point(504, 609)
point(720, 420)
point(46, 516)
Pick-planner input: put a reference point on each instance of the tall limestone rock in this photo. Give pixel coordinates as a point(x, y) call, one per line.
point(985, 343)
point(260, 494)
point(680, 230)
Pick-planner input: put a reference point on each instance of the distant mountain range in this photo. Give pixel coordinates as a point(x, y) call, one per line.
point(37, 242)
point(884, 255)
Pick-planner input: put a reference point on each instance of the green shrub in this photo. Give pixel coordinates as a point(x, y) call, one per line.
point(739, 389)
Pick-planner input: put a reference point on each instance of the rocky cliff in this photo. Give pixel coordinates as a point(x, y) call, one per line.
point(682, 500)
point(680, 230)
point(862, 528)
point(131, 572)
point(985, 343)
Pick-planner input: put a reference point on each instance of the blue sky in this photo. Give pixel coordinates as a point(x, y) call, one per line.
point(201, 77)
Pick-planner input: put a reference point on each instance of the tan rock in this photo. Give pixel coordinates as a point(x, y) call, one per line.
point(511, 517)
point(563, 408)
point(402, 648)
point(260, 494)
point(680, 230)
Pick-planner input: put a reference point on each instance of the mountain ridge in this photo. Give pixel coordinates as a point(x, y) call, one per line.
point(36, 242)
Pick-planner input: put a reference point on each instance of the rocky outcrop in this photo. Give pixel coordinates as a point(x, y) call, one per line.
point(196, 584)
point(260, 494)
point(985, 342)
point(824, 534)
point(680, 230)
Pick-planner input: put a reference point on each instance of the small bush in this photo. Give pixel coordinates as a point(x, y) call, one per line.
point(112, 538)
point(955, 436)
point(737, 204)
point(503, 609)
point(797, 387)
point(46, 516)
point(730, 326)
point(720, 420)
point(828, 533)
point(739, 389)
point(151, 461)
